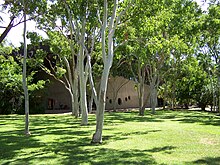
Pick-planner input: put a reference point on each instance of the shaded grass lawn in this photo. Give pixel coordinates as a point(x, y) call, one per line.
point(169, 137)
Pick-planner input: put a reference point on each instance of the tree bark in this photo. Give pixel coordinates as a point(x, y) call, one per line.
point(83, 104)
point(141, 99)
point(154, 83)
point(141, 76)
point(153, 99)
point(72, 101)
point(75, 95)
point(97, 137)
point(82, 78)
point(90, 103)
point(24, 78)
point(69, 81)
point(7, 29)
point(173, 96)
point(107, 60)
point(165, 96)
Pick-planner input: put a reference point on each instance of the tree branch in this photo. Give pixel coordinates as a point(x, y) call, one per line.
point(118, 18)
point(6, 31)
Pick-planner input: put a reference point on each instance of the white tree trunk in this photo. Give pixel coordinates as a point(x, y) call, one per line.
point(83, 104)
point(94, 93)
point(153, 98)
point(173, 96)
point(82, 78)
point(97, 137)
point(72, 100)
point(24, 78)
point(75, 95)
point(141, 97)
point(91, 103)
point(69, 81)
point(153, 78)
point(107, 60)
point(141, 77)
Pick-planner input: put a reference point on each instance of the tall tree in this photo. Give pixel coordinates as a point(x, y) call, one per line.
point(211, 36)
point(24, 75)
point(166, 28)
point(108, 26)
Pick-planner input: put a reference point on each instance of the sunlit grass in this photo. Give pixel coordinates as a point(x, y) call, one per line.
point(169, 137)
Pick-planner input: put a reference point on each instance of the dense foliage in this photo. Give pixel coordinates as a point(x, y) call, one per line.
point(11, 98)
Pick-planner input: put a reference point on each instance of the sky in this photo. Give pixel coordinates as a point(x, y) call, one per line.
point(15, 34)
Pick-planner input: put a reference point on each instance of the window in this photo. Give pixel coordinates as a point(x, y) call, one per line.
point(129, 97)
point(126, 99)
point(110, 101)
point(50, 104)
point(119, 101)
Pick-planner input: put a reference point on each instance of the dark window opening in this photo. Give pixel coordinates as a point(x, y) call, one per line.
point(107, 97)
point(50, 104)
point(126, 99)
point(110, 101)
point(129, 97)
point(119, 101)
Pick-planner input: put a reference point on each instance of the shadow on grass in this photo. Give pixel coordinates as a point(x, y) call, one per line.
point(139, 132)
point(53, 120)
point(11, 119)
point(208, 160)
point(203, 118)
point(122, 117)
point(80, 152)
point(66, 151)
point(186, 116)
point(122, 136)
point(97, 155)
point(13, 142)
point(71, 143)
point(165, 149)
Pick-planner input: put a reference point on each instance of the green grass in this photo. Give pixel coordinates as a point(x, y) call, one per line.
point(169, 137)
